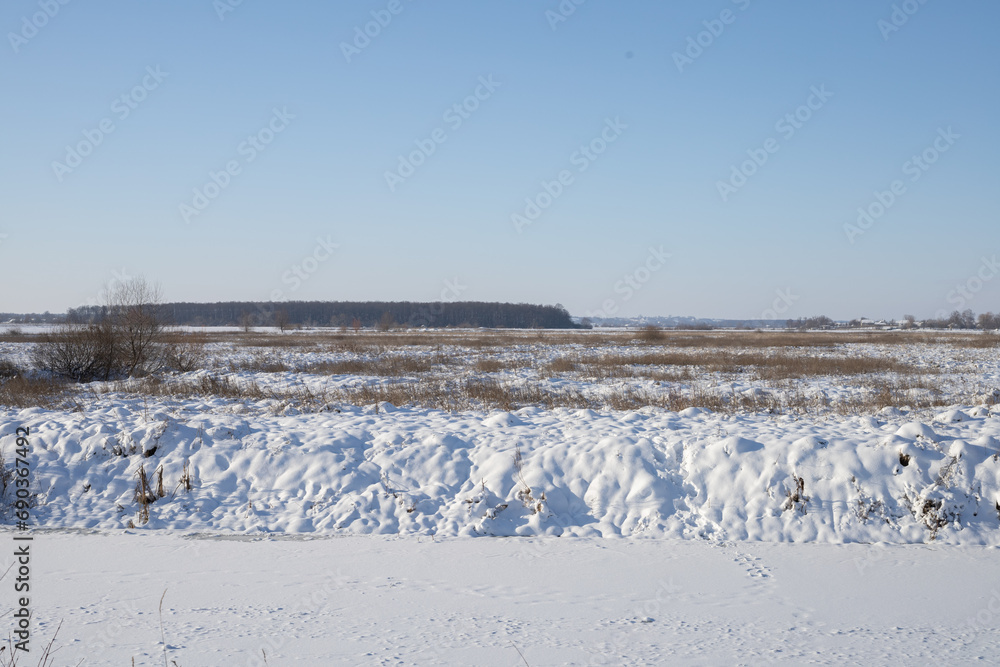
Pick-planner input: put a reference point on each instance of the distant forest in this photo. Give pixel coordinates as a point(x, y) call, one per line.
point(362, 314)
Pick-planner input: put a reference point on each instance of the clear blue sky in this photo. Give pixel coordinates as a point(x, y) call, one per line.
point(673, 129)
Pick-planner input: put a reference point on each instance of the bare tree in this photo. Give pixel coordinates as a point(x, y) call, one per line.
point(246, 321)
point(387, 322)
point(124, 338)
point(988, 321)
point(135, 310)
point(281, 319)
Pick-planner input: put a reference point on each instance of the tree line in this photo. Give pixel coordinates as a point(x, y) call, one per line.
point(356, 314)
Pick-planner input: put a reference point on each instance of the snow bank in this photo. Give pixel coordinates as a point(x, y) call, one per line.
point(534, 472)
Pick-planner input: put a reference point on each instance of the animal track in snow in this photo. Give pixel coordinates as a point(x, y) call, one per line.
point(754, 566)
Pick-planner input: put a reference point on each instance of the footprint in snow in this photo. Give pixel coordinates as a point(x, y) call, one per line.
point(754, 566)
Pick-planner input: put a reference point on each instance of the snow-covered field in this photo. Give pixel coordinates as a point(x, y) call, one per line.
point(324, 532)
point(418, 600)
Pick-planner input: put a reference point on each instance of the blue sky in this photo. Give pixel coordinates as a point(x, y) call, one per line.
point(644, 109)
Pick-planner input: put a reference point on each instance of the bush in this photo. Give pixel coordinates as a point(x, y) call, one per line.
point(8, 369)
point(651, 334)
point(80, 353)
point(125, 341)
point(184, 357)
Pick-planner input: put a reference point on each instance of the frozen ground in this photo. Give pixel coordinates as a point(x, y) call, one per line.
point(330, 533)
point(422, 601)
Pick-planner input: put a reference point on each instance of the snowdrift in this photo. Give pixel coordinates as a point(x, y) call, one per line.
point(895, 478)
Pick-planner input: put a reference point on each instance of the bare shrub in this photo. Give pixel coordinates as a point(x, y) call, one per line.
point(144, 494)
point(535, 505)
point(125, 341)
point(185, 480)
point(796, 499)
point(650, 334)
point(930, 512)
point(184, 357)
point(9, 369)
point(80, 353)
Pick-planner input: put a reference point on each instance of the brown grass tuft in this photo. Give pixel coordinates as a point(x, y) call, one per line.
point(23, 392)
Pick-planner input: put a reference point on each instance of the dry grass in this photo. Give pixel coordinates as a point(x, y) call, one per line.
point(684, 364)
point(16, 336)
point(787, 339)
point(189, 337)
point(760, 366)
point(493, 365)
point(209, 385)
point(24, 392)
point(561, 365)
point(386, 366)
point(982, 341)
point(487, 394)
point(473, 394)
point(490, 394)
point(259, 363)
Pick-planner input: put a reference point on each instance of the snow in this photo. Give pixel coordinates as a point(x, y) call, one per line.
point(386, 600)
point(584, 473)
point(364, 534)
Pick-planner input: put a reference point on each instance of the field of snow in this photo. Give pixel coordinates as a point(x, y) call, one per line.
point(737, 535)
point(378, 600)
